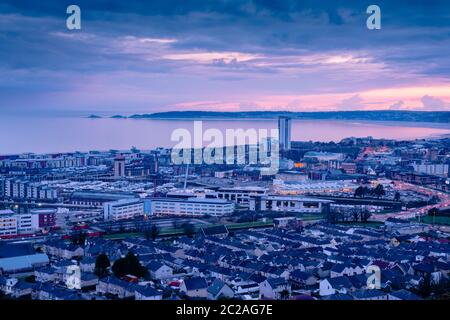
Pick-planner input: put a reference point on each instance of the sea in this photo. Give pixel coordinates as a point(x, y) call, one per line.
point(49, 134)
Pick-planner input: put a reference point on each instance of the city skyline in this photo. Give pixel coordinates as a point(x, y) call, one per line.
point(223, 55)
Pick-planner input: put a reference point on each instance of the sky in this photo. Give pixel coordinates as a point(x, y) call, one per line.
point(225, 55)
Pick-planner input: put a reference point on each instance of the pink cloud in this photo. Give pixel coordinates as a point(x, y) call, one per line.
point(406, 98)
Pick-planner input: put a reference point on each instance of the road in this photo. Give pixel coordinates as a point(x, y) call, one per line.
point(415, 212)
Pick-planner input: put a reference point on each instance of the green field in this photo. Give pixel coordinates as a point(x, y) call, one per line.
point(310, 216)
point(179, 232)
point(120, 236)
point(246, 225)
point(437, 220)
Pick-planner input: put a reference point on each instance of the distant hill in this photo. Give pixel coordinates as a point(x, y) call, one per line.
point(377, 115)
point(94, 116)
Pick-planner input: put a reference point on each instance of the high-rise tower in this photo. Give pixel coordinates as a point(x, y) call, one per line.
point(284, 132)
point(119, 167)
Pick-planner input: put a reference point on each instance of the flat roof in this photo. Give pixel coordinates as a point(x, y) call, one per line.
point(248, 188)
point(125, 202)
point(6, 211)
point(195, 200)
point(23, 262)
point(296, 198)
point(101, 195)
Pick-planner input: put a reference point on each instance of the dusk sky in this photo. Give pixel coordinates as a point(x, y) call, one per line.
point(150, 56)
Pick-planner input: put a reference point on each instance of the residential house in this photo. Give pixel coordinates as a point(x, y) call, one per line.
point(195, 287)
point(88, 280)
point(274, 288)
point(46, 274)
point(427, 270)
point(16, 288)
point(346, 269)
point(403, 295)
point(371, 294)
point(113, 286)
point(159, 270)
point(335, 285)
point(147, 293)
point(63, 250)
point(302, 279)
point(244, 286)
point(219, 289)
point(87, 264)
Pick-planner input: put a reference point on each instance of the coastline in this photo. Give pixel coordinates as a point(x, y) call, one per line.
point(434, 125)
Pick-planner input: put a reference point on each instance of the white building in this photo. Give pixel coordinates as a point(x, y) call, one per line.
point(432, 169)
point(21, 189)
point(8, 223)
point(12, 223)
point(239, 195)
point(123, 209)
point(324, 156)
point(273, 288)
point(27, 222)
point(191, 207)
point(289, 204)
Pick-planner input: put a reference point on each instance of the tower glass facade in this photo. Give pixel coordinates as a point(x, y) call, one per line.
point(284, 132)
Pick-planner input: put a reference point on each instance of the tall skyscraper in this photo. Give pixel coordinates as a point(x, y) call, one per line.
point(119, 166)
point(284, 132)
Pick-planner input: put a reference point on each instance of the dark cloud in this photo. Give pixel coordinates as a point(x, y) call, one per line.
point(38, 54)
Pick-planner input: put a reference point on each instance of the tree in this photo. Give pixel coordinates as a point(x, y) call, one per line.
point(109, 226)
point(151, 232)
point(365, 215)
point(147, 233)
point(397, 196)
point(134, 149)
point(189, 229)
point(154, 231)
point(434, 199)
point(359, 192)
point(175, 224)
point(284, 294)
point(379, 191)
point(78, 238)
point(425, 285)
point(129, 265)
point(101, 265)
point(355, 215)
point(362, 191)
